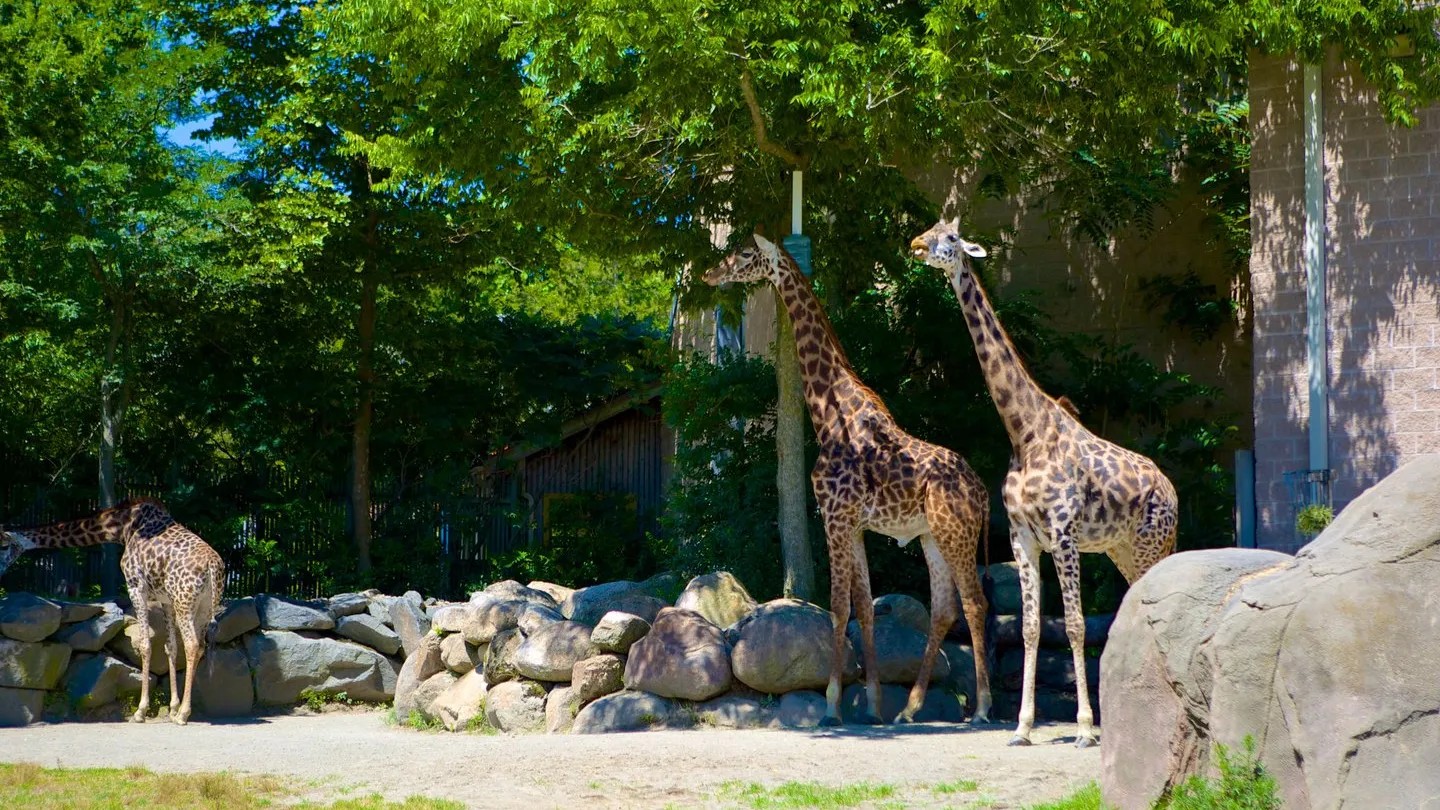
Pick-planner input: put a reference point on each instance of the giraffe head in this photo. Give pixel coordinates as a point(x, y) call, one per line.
point(753, 259)
point(943, 247)
point(12, 545)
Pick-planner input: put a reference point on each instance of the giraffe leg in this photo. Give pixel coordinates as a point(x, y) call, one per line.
point(972, 600)
point(172, 646)
point(1123, 556)
point(1155, 538)
point(1027, 554)
point(942, 614)
point(1067, 565)
point(839, 535)
point(192, 660)
point(143, 634)
point(865, 615)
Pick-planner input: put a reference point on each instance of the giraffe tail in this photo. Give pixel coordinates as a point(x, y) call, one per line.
point(987, 582)
point(215, 582)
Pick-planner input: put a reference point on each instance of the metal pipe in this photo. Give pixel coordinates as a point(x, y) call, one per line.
point(797, 193)
point(1245, 498)
point(1316, 316)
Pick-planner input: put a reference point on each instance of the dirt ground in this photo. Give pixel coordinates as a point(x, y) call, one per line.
point(357, 753)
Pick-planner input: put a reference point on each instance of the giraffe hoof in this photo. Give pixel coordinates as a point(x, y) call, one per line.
point(904, 718)
point(1086, 742)
point(980, 720)
point(1017, 740)
point(137, 717)
point(829, 722)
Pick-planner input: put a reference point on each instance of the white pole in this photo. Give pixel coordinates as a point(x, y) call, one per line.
point(797, 186)
point(1314, 262)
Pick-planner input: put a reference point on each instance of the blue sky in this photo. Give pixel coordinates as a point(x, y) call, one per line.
point(183, 136)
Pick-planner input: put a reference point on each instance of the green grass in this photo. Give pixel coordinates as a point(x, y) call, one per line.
point(1087, 798)
point(807, 794)
point(35, 788)
point(958, 786)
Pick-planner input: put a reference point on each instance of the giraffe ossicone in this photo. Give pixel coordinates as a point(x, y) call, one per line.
point(1067, 491)
point(872, 475)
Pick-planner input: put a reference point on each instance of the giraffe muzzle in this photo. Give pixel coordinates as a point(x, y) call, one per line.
point(918, 248)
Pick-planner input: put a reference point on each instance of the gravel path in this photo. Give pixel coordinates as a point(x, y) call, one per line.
point(344, 753)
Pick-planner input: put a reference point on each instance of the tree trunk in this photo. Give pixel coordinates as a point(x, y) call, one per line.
point(790, 475)
point(111, 414)
point(360, 464)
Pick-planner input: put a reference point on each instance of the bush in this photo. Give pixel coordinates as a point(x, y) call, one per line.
point(1243, 785)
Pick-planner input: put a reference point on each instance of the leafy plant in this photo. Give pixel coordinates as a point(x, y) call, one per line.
point(1243, 784)
point(1313, 518)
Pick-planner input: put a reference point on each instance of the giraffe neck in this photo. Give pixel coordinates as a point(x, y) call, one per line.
point(114, 525)
point(1019, 400)
point(833, 392)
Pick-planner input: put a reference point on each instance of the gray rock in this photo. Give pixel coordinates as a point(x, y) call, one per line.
point(500, 657)
point(551, 652)
point(459, 655)
point(414, 598)
point(1005, 631)
point(561, 706)
point(1055, 668)
point(511, 591)
point(90, 635)
point(284, 613)
point(1327, 659)
point(802, 709)
point(719, 597)
point(239, 617)
point(462, 703)
point(368, 630)
point(596, 677)
point(732, 711)
point(1006, 592)
point(616, 631)
point(962, 671)
point(906, 610)
point(380, 609)
point(533, 617)
point(665, 586)
point(27, 617)
point(224, 686)
point(452, 618)
point(900, 650)
point(489, 618)
point(92, 681)
point(408, 619)
point(516, 706)
point(557, 592)
point(684, 656)
point(126, 644)
point(420, 665)
point(32, 665)
point(786, 645)
point(624, 711)
point(1097, 629)
point(589, 605)
point(285, 664)
point(20, 707)
point(939, 705)
point(71, 612)
point(429, 691)
point(349, 604)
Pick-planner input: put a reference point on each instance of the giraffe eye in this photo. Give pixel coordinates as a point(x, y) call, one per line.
point(951, 237)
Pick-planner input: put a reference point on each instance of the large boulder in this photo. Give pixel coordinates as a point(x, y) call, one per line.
point(407, 616)
point(92, 681)
point(27, 617)
point(533, 617)
point(126, 644)
point(349, 604)
point(684, 656)
point(500, 656)
point(804, 708)
point(718, 597)
point(589, 605)
point(370, 631)
point(596, 677)
point(284, 613)
point(516, 706)
point(459, 655)
point(451, 618)
point(899, 650)
point(71, 612)
point(239, 617)
point(487, 618)
point(732, 711)
point(617, 631)
point(285, 664)
point(224, 686)
point(551, 652)
point(1005, 594)
point(939, 705)
point(20, 707)
point(906, 610)
point(1052, 668)
point(90, 635)
point(786, 645)
point(511, 591)
point(462, 703)
point(420, 665)
point(429, 691)
point(32, 665)
point(1327, 659)
point(561, 706)
point(624, 711)
point(557, 592)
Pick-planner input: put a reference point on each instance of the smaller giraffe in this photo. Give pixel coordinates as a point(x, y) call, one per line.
point(164, 564)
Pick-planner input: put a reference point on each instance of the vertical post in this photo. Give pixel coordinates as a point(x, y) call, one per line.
point(791, 481)
point(797, 194)
point(1314, 258)
point(1245, 498)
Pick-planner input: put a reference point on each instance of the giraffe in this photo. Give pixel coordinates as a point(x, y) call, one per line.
point(164, 563)
point(1067, 490)
point(873, 475)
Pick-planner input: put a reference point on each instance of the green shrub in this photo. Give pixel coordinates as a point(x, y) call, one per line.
point(1243, 785)
point(1313, 519)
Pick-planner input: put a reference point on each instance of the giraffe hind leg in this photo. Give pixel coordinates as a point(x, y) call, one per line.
point(143, 634)
point(942, 615)
point(192, 660)
point(865, 617)
point(172, 647)
point(838, 533)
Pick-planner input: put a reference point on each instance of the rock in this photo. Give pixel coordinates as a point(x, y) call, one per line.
point(462, 703)
point(20, 707)
point(939, 705)
point(589, 605)
point(349, 604)
point(424, 697)
point(489, 618)
point(962, 671)
point(125, 644)
point(557, 592)
point(1054, 668)
point(32, 665)
point(550, 654)
point(561, 706)
point(368, 630)
point(1005, 596)
point(533, 617)
point(452, 618)
point(90, 635)
point(408, 619)
point(459, 655)
point(906, 610)
point(284, 613)
point(419, 667)
point(239, 617)
point(1327, 659)
point(380, 609)
point(623, 711)
point(27, 617)
point(596, 677)
point(684, 656)
point(511, 591)
point(616, 631)
point(516, 706)
point(718, 597)
point(786, 645)
point(802, 709)
point(1005, 632)
point(500, 657)
point(285, 664)
point(92, 681)
point(1097, 628)
point(899, 650)
point(414, 598)
point(732, 711)
point(224, 686)
point(71, 612)
point(665, 586)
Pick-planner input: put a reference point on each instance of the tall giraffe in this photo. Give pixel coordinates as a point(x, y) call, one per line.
point(873, 475)
point(1067, 491)
point(164, 563)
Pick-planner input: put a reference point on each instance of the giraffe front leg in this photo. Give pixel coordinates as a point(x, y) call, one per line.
point(838, 533)
point(172, 645)
point(1027, 554)
point(865, 617)
point(942, 615)
point(1067, 565)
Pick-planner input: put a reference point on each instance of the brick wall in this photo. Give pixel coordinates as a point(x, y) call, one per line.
point(1382, 211)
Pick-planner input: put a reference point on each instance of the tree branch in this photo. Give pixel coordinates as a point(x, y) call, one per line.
point(747, 88)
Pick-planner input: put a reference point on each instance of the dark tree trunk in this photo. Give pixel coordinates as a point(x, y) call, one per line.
point(790, 477)
point(111, 415)
point(364, 416)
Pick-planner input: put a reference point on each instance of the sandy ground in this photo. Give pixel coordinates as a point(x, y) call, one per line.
point(349, 753)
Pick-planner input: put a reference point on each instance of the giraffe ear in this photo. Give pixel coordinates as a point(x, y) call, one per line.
point(972, 249)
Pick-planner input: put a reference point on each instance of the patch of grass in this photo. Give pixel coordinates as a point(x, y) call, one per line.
point(958, 786)
point(316, 700)
point(806, 794)
point(1086, 798)
point(35, 788)
point(1243, 785)
point(480, 724)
